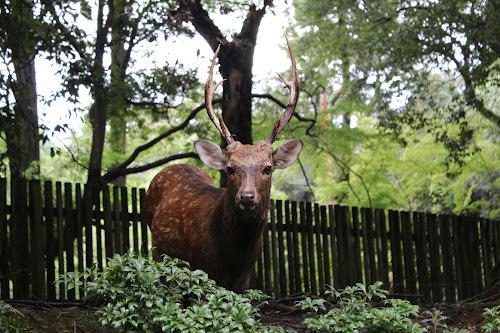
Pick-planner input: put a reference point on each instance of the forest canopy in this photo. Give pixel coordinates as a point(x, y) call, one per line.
point(399, 102)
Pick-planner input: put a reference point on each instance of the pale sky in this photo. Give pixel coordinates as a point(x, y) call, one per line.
point(270, 57)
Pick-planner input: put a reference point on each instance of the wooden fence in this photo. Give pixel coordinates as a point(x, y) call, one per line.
point(47, 229)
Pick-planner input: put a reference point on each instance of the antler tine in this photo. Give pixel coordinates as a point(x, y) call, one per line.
point(209, 94)
point(294, 87)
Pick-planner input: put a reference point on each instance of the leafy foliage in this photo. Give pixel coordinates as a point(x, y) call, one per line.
point(354, 312)
point(140, 294)
point(493, 317)
point(9, 319)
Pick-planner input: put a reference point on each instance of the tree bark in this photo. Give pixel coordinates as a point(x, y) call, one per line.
point(22, 136)
point(98, 111)
point(236, 62)
point(118, 90)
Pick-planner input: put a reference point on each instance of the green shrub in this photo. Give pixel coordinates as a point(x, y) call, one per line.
point(493, 317)
point(10, 319)
point(139, 294)
point(355, 313)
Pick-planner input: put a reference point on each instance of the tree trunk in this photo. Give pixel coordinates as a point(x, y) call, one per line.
point(236, 69)
point(98, 112)
point(236, 62)
point(22, 135)
point(118, 88)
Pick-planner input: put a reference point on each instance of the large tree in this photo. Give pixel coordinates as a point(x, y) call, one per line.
point(121, 27)
point(21, 36)
point(236, 62)
point(389, 51)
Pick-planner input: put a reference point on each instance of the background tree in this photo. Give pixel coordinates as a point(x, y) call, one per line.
point(391, 48)
point(21, 37)
point(379, 61)
point(122, 27)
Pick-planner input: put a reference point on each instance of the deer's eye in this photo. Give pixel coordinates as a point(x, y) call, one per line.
point(268, 169)
point(230, 171)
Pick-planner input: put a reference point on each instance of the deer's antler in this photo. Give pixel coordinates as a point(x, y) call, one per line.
point(209, 94)
point(294, 87)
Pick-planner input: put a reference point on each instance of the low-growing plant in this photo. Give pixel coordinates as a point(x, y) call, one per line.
point(356, 313)
point(492, 315)
point(10, 321)
point(139, 294)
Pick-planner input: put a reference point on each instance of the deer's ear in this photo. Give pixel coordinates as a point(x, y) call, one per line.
point(211, 154)
point(287, 153)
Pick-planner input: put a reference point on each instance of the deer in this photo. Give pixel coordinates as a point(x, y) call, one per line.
point(220, 230)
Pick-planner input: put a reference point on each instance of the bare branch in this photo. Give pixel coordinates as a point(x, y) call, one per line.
point(295, 114)
point(116, 173)
point(165, 134)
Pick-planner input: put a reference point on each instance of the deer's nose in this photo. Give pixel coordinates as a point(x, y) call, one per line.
point(247, 198)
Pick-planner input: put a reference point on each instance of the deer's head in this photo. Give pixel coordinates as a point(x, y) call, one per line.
point(249, 167)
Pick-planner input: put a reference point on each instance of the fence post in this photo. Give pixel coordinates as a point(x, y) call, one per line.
point(4, 242)
point(448, 255)
point(37, 240)
point(409, 257)
point(396, 253)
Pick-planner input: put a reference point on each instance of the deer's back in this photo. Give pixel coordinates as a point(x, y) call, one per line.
point(178, 203)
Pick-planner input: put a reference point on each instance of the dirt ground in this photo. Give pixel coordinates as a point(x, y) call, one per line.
point(39, 317)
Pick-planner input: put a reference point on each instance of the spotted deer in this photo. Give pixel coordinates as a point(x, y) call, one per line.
point(219, 230)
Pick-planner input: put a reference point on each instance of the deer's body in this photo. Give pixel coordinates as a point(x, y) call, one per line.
point(226, 249)
point(219, 230)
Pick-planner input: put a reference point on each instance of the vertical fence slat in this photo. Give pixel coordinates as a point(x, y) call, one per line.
point(60, 238)
point(458, 247)
point(290, 249)
point(435, 259)
point(125, 223)
point(297, 256)
point(22, 259)
point(319, 251)
point(333, 245)
point(88, 215)
point(447, 251)
point(381, 246)
point(304, 243)
point(422, 253)
point(135, 220)
point(476, 254)
point(79, 233)
point(368, 258)
point(358, 270)
point(144, 224)
point(4, 242)
point(311, 247)
point(267, 261)
point(396, 253)
point(326, 246)
point(109, 235)
point(409, 257)
point(342, 269)
point(274, 252)
point(99, 228)
point(486, 251)
point(281, 248)
point(37, 240)
point(116, 221)
point(349, 250)
point(69, 234)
